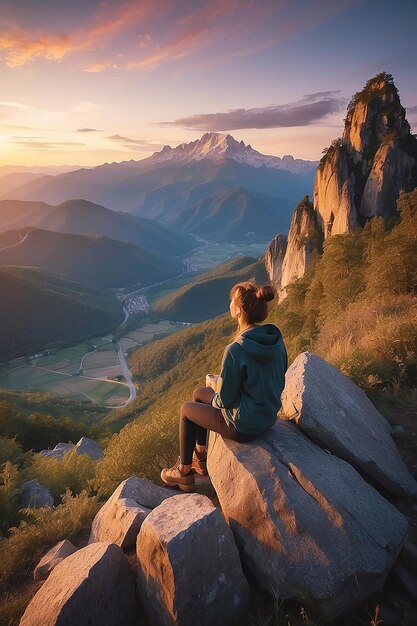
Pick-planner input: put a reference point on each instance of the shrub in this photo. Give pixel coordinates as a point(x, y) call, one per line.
point(11, 450)
point(9, 496)
point(73, 472)
point(42, 529)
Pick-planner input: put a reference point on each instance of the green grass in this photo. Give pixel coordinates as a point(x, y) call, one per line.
point(102, 391)
point(216, 253)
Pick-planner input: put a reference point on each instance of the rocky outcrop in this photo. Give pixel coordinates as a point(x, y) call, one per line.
point(52, 558)
point(274, 258)
point(59, 451)
point(35, 496)
point(362, 173)
point(92, 587)
point(84, 446)
point(189, 570)
point(303, 237)
point(121, 517)
point(359, 177)
point(393, 169)
point(337, 415)
point(334, 194)
point(89, 447)
point(307, 525)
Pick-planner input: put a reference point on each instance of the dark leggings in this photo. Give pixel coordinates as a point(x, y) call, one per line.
point(197, 417)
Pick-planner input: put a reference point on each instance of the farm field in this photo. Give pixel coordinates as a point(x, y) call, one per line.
point(215, 253)
point(61, 375)
point(81, 372)
point(146, 333)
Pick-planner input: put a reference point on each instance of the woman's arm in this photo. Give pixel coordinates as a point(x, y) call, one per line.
point(228, 384)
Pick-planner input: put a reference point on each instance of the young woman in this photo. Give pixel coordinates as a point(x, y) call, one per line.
point(248, 390)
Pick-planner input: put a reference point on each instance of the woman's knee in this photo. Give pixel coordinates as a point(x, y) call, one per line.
point(185, 408)
point(198, 394)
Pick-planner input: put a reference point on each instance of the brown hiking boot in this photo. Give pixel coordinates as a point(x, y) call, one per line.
point(173, 477)
point(199, 464)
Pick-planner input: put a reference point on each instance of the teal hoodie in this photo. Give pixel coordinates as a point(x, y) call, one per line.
point(251, 380)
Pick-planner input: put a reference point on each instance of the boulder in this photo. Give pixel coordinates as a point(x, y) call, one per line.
point(90, 447)
point(189, 570)
point(59, 451)
point(306, 523)
point(84, 446)
point(337, 415)
point(121, 517)
point(34, 495)
point(92, 587)
point(51, 559)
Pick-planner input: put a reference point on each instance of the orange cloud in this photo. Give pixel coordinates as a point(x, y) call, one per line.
point(22, 46)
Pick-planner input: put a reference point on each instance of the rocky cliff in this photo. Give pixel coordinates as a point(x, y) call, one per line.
point(274, 258)
point(285, 262)
point(361, 174)
point(359, 177)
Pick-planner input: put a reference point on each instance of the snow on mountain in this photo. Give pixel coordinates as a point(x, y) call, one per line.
point(218, 146)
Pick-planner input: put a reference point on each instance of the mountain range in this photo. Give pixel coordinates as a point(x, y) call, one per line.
point(178, 179)
point(81, 217)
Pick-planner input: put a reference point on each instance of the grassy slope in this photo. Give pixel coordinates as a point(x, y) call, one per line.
point(39, 308)
point(208, 295)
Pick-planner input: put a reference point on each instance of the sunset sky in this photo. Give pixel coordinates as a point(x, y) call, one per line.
point(84, 82)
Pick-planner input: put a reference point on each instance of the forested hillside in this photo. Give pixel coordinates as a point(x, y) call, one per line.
point(207, 295)
point(40, 308)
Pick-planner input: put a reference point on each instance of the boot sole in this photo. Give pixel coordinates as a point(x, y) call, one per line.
point(182, 487)
point(187, 488)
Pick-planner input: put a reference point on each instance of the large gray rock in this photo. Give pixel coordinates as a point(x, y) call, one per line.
point(90, 447)
point(93, 587)
point(52, 558)
point(307, 525)
point(59, 451)
point(338, 416)
point(34, 495)
point(84, 446)
point(189, 570)
point(121, 517)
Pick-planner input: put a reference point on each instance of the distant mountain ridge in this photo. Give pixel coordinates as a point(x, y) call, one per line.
point(176, 179)
point(235, 214)
point(216, 146)
point(81, 217)
point(92, 259)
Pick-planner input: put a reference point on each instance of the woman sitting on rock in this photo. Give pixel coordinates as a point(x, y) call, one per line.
point(247, 393)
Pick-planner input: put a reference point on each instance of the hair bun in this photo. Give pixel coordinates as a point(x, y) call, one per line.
point(266, 292)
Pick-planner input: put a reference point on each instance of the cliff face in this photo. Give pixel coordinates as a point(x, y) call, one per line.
point(274, 258)
point(359, 177)
point(362, 173)
point(302, 239)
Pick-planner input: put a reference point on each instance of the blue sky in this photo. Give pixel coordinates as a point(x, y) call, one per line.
point(89, 82)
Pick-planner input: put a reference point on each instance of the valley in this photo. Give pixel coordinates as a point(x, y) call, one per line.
point(96, 371)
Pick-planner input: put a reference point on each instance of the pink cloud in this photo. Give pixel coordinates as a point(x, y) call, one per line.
point(22, 46)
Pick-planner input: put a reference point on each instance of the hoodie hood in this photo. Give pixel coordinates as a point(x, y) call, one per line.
point(262, 343)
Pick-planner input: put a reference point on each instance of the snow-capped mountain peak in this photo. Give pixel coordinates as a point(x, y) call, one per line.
point(219, 146)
